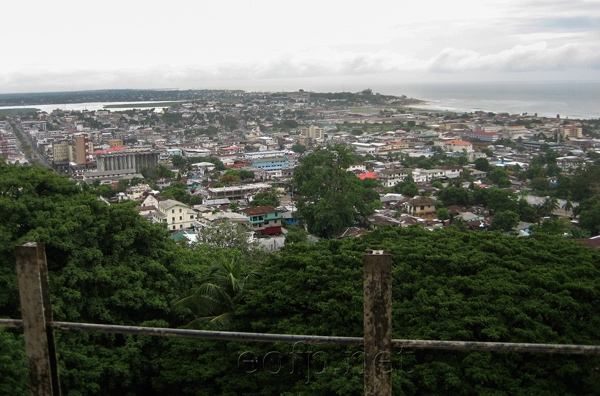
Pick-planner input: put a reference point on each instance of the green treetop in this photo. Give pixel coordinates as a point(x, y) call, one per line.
point(330, 197)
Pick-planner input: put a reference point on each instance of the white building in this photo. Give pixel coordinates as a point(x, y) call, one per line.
point(174, 214)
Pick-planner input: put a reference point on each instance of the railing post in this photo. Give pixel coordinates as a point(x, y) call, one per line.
point(32, 274)
point(378, 322)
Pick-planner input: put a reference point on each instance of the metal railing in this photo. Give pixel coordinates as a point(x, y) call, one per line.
point(38, 327)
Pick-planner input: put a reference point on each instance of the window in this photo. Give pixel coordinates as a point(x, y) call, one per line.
point(173, 219)
point(179, 210)
point(173, 211)
point(180, 218)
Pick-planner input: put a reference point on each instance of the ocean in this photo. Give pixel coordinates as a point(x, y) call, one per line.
point(575, 100)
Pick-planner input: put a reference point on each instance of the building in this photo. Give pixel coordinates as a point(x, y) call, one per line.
point(174, 214)
point(114, 142)
point(458, 146)
point(440, 172)
point(391, 177)
point(313, 132)
point(264, 220)
point(127, 160)
point(60, 152)
point(574, 132)
point(271, 160)
point(236, 192)
point(368, 148)
point(570, 163)
point(82, 149)
point(393, 146)
point(484, 136)
point(422, 207)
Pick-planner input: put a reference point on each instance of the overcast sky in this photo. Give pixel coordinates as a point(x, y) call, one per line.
point(52, 45)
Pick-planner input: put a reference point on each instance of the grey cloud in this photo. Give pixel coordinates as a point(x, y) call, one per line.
point(576, 23)
point(519, 58)
point(166, 76)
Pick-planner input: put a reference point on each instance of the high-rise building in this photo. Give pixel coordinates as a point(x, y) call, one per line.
point(313, 132)
point(82, 149)
point(60, 151)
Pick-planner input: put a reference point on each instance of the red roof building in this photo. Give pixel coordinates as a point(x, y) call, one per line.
point(368, 175)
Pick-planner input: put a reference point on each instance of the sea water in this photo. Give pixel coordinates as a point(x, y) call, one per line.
point(575, 100)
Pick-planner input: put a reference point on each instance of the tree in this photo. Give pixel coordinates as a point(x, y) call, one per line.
point(500, 177)
point(246, 174)
point(163, 171)
point(330, 197)
point(455, 196)
point(177, 191)
point(505, 221)
point(557, 226)
point(106, 264)
point(482, 164)
point(437, 184)
point(122, 185)
point(407, 187)
point(496, 200)
point(226, 234)
point(589, 220)
point(453, 286)
point(546, 208)
point(178, 161)
point(289, 124)
point(443, 214)
point(299, 148)
point(527, 212)
point(295, 234)
point(216, 298)
point(265, 198)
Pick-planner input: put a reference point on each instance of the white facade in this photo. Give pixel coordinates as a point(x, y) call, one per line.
point(176, 215)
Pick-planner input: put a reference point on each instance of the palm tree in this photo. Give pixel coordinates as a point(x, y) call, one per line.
point(550, 205)
point(568, 206)
point(546, 208)
point(216, 298)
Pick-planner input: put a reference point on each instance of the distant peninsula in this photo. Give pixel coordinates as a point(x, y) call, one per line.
point(173, 95)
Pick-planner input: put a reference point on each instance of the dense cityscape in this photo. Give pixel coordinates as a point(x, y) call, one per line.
point(250, 212)
point(196, 150)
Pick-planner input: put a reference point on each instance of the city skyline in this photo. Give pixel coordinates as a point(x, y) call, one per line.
point(264, 45)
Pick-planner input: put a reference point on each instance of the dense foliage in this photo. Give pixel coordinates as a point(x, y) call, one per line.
point(330, 197)
point(447, 285)
point(107, 265)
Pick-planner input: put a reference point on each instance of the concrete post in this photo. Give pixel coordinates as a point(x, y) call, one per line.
point(41, 358)
point(378, 322)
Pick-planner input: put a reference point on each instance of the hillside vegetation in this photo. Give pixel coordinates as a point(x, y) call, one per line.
point(108, 265)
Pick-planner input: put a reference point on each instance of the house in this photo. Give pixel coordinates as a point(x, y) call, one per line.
point(349, 232)
point(174, 214)
point(391, 177)
point(265, 220)
point(458, 145)
point(368, 175)
point(136, 193)
point(423, 207)
point(379, 220)
point(163, 182)
point(361, 167)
